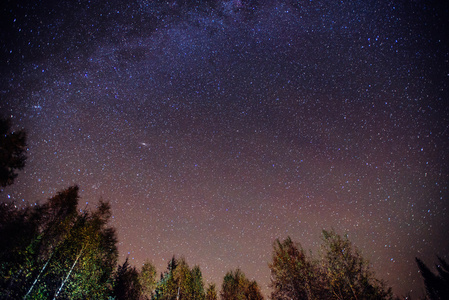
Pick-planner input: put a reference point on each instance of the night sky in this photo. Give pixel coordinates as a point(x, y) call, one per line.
point(215, 127)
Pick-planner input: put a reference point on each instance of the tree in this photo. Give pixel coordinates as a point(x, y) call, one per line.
point(42, 229)
point(147, 280)
point(166, 287)
point(211, 292)
point(237, 287)
point(293, 274)
point(180, 282)
point(61, 251)
point(253, 291)
point(437, 285)
point(12, 152)
point(342, 273)
point(347, 273)
point(81, 263)
point(197, 285)
point(126, 283)
point(18, 229)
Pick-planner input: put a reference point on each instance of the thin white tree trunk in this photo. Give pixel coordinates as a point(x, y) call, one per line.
point(70, 272)
point(37, 278)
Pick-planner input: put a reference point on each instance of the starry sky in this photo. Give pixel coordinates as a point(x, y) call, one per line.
point(215, 127)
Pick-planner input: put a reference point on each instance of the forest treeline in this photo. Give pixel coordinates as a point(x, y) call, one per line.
point(56, 250)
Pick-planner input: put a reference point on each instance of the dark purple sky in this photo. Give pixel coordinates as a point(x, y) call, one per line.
point(215, 128)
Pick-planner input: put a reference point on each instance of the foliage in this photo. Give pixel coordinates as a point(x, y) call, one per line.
point(197, 285)
point(60, 250)
point(237, 287)
point(347, 273)
point(147, 280)
point(211, 292)
point(437, 285)
point(296, 275)
point(342, 272)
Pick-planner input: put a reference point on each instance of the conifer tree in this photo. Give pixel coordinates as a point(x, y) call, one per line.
point(126, 283)
point(197, 288)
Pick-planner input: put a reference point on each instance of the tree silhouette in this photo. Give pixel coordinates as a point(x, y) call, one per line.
point(126, 283)
point(437, 285)
point(12, 152)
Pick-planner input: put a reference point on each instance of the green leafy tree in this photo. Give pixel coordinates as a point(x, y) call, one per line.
point(437, 285)
point(237, 287)
point(62, 252)
point(12, 152)
point(42, 229)
point(96, 253)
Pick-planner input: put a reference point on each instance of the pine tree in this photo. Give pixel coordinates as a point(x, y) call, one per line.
point(167, 288)
point(126, 283)
point(197, 289)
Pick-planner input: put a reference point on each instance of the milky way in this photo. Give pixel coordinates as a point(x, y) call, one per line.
point(215, 127)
